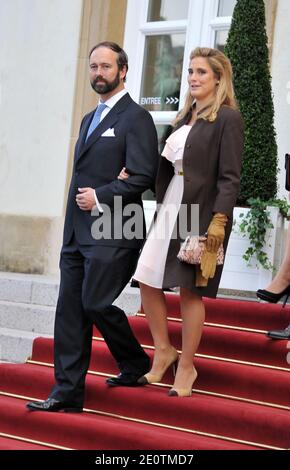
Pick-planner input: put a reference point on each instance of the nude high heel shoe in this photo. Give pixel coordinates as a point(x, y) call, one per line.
point(184, 392)
point(150, 378)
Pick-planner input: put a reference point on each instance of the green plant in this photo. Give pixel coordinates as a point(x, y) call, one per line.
point(247, 49)
point(255, 224)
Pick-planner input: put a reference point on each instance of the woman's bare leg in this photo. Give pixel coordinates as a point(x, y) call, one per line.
point(193, 315)
point(154, 305)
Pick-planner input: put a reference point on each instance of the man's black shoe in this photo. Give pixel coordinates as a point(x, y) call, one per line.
point(125, 380)
point(280, 334)
point(53, 405)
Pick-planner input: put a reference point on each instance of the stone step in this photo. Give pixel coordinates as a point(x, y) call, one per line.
point(21, 323)
point(27, 310)
point(38, 318)
point(29, 288)
point(43, 291)
point(129, 300)
point(27, 317)
point(16, 345)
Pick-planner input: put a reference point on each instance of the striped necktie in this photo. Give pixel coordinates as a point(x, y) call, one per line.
point(96, 119)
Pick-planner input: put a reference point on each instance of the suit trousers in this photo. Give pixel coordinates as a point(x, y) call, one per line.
point(92, 277)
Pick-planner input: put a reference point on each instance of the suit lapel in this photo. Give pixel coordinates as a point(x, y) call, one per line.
point(108, 122)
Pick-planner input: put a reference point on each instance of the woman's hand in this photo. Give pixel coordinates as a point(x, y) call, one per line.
point(215, 237)
point(123, 174)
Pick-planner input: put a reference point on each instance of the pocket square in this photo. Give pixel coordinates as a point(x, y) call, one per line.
point(109, 133)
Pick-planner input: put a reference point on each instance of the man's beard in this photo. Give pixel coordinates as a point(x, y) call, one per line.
point(105, 87)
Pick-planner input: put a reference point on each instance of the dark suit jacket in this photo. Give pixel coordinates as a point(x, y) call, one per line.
point(98, 162)
point(211, 164)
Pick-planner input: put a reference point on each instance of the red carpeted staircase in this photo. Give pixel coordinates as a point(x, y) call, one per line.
point(241, 398)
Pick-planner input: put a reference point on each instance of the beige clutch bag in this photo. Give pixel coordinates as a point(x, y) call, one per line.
point(192, 249)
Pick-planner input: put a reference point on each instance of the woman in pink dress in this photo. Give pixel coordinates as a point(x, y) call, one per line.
point(200, 165)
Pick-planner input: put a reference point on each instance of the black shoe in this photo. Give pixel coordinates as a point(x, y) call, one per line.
point(273, 298)
point(53, 405)
point(280, 334)
point(125, 380)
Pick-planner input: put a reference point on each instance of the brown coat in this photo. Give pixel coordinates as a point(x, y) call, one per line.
point(211, 165)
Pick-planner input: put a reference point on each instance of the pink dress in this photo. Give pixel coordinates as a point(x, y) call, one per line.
point(151, 264)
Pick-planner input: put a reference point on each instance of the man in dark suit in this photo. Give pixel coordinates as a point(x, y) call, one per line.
point(95, 267)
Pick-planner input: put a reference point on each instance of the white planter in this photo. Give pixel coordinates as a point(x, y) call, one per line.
point(237, 274)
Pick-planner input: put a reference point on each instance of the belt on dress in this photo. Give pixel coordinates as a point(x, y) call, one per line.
point(180, 173)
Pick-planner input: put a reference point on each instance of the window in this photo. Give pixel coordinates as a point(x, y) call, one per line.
point(155, 40)
point(221, 39)
point(226, 7)
point(222, 22)
point(165, 10)
point(159, 36)
point(162, 70)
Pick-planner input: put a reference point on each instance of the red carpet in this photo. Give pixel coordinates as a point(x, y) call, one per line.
point(11, 444)
point(240, 399)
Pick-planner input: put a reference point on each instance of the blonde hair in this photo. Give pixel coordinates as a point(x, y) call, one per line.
point(225, 95)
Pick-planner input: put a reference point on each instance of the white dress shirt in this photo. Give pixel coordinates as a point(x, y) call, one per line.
point(111, 102)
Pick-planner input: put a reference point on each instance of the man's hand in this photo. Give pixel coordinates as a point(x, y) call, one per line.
point(86, 199)
point(123, 175)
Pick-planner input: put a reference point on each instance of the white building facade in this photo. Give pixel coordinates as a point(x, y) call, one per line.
point(45, 91)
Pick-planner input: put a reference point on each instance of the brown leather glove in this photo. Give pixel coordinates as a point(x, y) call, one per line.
point(215, 237)
point(200, 281)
